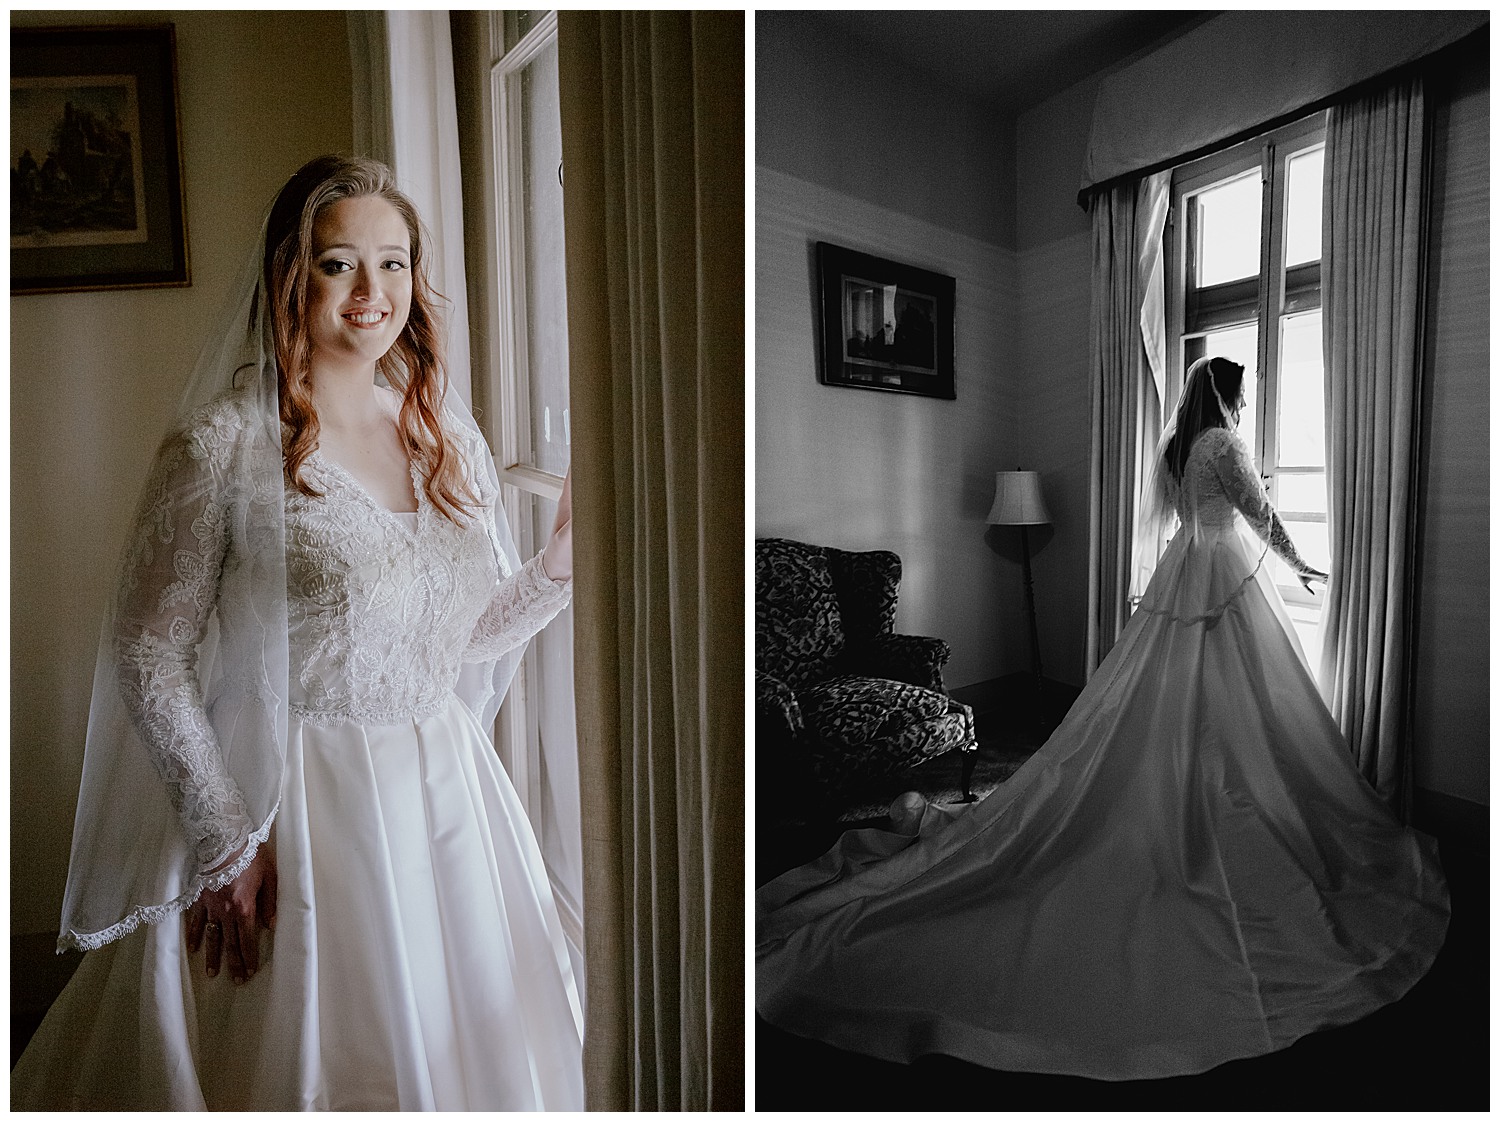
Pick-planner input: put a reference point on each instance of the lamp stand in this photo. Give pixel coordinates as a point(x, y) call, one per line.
point(1036, 649)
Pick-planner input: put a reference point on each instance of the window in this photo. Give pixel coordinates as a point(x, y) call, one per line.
point(1245, 246)
point(523, 399)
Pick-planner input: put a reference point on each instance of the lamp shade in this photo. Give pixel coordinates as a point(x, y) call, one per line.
point(1018, 500)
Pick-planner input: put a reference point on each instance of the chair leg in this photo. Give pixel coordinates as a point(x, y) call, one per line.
point(969, 760)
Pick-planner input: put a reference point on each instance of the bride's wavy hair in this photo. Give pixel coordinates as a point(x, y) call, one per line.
point(1211, 386)
point(414, 365)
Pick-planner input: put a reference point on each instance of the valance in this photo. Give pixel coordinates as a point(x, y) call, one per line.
point(1242, 72)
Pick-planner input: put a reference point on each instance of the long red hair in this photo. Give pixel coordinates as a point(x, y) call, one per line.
point(414, 365)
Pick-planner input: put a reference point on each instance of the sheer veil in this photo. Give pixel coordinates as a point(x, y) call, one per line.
point(1162, 497)
point(131, 861)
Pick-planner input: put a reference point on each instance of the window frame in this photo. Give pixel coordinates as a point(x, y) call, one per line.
point(1263, 300)
point(504, 388)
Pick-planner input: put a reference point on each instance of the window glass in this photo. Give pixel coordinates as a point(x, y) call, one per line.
point(1305, 494)
point(1304, 208)
point(517, 24)
point(1311, 540)
point(1238, 344)
point(546, 292)
point(1300, 408)
point(1229, 231)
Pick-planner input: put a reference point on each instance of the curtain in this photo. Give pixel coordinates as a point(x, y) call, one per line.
point(1373, 228)
point(653, 152)
point(406, 115)
point(1127, 348)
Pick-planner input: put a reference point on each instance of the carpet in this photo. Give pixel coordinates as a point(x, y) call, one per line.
point(939, 781)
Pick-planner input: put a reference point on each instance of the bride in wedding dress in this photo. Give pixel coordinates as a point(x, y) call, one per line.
point(302, 878)
point(1191, 870)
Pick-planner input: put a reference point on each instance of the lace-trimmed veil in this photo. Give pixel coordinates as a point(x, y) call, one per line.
point(1163, 490)
point(131, 859)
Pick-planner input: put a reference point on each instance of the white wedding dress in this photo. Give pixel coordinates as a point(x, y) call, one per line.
point(417, 961)
point(1191, 870)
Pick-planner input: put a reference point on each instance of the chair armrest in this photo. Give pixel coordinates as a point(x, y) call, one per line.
point(917, 659)
point(776, 705)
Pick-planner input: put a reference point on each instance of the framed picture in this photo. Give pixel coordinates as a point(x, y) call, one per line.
point(95, 167)
point(885, 326)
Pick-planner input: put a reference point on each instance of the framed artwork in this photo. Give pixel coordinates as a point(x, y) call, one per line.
point(95, 164)
point(885, 326)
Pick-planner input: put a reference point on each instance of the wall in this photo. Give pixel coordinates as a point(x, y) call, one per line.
point(95, 377)
point(1053, 267)
point(1451, 717)
point(840, 115)
point(860, 469)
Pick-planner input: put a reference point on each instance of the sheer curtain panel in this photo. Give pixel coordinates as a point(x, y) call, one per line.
point(653, 155)
point(1127, 344)
point(1374, 222)
point(406, 115)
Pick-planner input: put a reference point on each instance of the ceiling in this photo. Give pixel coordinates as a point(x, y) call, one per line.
point(1011, 60)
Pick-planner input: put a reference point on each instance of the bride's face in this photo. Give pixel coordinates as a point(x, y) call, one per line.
point(359, 290)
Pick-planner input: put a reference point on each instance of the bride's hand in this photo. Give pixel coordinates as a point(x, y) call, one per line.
point(557, 557)
point(225, 921)
point(1309, 577)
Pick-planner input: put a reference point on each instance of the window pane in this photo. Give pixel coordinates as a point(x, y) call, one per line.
point(546, 294)
point(1306, 494)
point(518, 23)
point(1304, 208)
point(1305, 621)
point(1238, 344)
point(1300, 432)
point(1229, 231)
point(1311, 540)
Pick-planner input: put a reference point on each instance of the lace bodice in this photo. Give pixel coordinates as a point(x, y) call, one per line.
point(1219, 479)
point(381, 614)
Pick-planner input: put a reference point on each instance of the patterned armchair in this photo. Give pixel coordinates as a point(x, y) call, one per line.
point(838, 696)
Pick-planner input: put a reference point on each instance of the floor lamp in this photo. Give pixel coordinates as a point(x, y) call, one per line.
point(1018, 502)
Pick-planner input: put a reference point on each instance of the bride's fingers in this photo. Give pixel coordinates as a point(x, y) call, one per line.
point(193, 920)
point(213, 946)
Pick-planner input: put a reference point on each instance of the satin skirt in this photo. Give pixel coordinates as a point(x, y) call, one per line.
point(1191, 870)
point(417, 963)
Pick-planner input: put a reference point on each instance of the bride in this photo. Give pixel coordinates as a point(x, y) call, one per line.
point(301, 876)
point(1191, 870)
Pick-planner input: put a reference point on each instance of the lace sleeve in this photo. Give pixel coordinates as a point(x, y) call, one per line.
point(1237, 474)
point(522, 605)
point(167, 594)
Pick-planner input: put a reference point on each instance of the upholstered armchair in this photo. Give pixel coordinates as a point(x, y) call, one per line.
point(839, 697)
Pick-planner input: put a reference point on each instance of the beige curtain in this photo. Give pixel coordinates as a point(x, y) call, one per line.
point(1127, 333)
point(1373, 229)
point(653, 157)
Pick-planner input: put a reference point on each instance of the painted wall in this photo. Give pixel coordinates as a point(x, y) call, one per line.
point(835, 113)
point(95, 378)
point(1053, 267)
point(880, 166)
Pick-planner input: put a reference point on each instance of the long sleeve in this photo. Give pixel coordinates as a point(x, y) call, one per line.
point(1244, 487)
point(167, 596)
point(522, 605)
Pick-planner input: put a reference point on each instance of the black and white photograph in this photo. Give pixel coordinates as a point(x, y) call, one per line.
point(886, 325)
point(1122, 727)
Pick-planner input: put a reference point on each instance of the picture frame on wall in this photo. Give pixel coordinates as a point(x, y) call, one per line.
point(885, 325)
point(96, 163)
